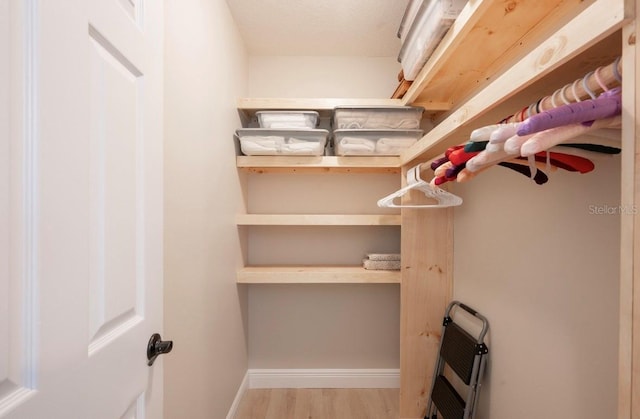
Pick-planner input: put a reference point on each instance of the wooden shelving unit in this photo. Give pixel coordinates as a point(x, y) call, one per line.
point(488, 59)
point(315, 275)
point(497, 58)
point(312, 164)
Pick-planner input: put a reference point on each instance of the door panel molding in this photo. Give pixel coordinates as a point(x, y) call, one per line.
point(134, 10)
point(116, 196)
point(136, 409)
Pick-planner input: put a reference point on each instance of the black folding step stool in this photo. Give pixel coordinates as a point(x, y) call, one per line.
point(466, 356)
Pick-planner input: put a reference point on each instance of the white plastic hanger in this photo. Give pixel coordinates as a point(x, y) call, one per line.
point(415, 182)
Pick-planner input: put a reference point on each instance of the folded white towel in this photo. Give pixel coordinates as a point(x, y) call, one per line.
point(288, 125)
point(265, 140)
point(261, 145)
point(356, 145)
point(381, 265)
point(375, 120)
point(302, 141)
point(350, 125)
point(294, 120)
point(297, 146)
point(394, 145)
point(383, 256)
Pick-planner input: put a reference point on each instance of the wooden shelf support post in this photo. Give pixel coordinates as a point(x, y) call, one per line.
point(426, 289)
point(629, 326)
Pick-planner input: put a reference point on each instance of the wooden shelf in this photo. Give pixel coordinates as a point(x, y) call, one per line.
point(596, 23)
point(315, 275)
point(318, 219)
point(486, 36)
point(324, 106)
point(319, 164)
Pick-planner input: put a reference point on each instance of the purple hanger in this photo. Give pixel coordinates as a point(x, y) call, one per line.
point(439, 162)
point(452, 172)
point(606, 105)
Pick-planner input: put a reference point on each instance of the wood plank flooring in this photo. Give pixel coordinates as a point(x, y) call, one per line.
point(331, 403)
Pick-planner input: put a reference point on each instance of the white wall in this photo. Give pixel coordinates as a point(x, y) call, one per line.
point(205, 311)
point(544, 268)
point(352, 77)
point(322, 326)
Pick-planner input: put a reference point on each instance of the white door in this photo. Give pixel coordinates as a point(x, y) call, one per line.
point(80, 208)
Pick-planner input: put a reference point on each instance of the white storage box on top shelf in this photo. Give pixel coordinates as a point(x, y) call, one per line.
point(432, 21)
point(396, 117)
point(365, 142)
point(287, 119)
point(270, 142)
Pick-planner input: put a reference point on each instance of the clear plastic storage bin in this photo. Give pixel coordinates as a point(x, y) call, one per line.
point(271, 142)
point(407, 19)
point(396, 117)
point(365, 142)
point(287, 119)
point(431, 22)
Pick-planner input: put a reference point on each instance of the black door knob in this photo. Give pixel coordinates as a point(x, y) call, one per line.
point(157, 346)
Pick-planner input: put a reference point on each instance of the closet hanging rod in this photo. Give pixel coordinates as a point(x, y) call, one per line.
point(602, 78)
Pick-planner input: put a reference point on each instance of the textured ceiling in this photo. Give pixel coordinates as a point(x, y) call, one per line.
point(319, 27)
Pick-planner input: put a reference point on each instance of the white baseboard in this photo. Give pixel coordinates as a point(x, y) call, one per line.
point(244, 385)
point(324, 378)
point(315, 378)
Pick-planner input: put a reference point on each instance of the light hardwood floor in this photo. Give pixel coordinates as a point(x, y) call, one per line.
point(333, 403)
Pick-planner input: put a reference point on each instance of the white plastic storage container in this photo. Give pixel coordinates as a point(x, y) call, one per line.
point(396, 117)
point(432, 21)
point(271, 142)
point(366, 142)
point(287, 119)
point(407, 19)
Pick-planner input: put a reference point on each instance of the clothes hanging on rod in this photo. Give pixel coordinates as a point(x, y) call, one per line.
point(519, 166)
point(560, 131)
point(522, 141)
point(607, 105)
point(601, 79)
point(546, 139)
point(448, 171)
